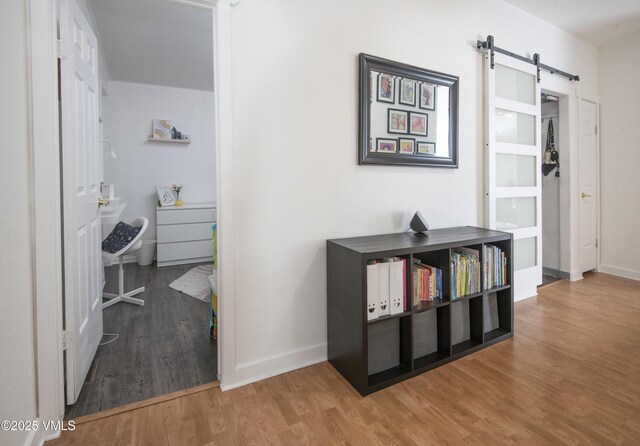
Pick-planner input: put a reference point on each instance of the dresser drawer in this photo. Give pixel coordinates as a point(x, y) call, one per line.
point(181, 216)
point(184, 233)
point(185, 250)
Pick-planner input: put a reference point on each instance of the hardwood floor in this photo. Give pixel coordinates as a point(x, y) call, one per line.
point(163, 347)
point(570, 376)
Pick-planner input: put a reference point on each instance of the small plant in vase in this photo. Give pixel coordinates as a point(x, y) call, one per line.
point(177, 188)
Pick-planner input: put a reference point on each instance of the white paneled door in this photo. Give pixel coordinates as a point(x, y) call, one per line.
point(588, 162)
point(81, 192)
point(512, 164)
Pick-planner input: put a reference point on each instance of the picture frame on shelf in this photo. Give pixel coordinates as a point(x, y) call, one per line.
point(166, 196)
point(107, 191)
point(427, 96)
point(161, 129)
point(397, 121)
point(386, 145)
point(426, 148)
point(407, 92)
point(418, 123)
point(407, 146)
point(386, 88)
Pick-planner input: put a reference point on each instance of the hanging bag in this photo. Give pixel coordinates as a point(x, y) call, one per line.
point(551, 156)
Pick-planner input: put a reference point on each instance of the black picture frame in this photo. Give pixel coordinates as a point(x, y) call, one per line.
point(386, 140)
point(391, 111)
point(426, 124)
point(421, 90)
point(426, 153)
point(412, 140)
point(401, 88)
point(369, 63)
point(392, 98)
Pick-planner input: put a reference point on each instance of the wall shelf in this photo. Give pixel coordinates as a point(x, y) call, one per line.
point(176, 141)
point(372, 355)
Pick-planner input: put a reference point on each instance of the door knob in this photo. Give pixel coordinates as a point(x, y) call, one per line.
point(585, 195)
point(102, 202)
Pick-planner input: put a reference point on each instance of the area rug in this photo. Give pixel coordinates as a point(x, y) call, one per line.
point(195, 283)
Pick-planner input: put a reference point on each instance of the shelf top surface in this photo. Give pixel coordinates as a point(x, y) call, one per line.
point(186, 206)
point(409, 242)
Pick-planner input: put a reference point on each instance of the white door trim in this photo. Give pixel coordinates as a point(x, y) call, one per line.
point(226, 203)
point(596, 103)
point(569, 167)
point(47, 258)
point(42, 17)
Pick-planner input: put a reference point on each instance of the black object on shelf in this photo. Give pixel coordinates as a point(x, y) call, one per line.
point(419, 225)
point(375, 354)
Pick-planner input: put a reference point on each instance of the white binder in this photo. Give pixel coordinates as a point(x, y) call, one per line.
point(383, 287)
point(396, 290)
point(372, 291)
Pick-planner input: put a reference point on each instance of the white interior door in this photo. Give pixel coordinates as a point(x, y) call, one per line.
point(81, 187)
point(588, 162)
point(512, 165)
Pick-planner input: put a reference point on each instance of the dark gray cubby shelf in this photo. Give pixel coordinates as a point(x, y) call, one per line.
point(372, 355)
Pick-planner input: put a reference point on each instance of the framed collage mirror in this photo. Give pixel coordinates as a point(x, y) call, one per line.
point(408, 115)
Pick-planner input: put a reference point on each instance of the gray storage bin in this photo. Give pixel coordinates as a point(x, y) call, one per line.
point(384, 345)
point(425, 333)
point(460, 326)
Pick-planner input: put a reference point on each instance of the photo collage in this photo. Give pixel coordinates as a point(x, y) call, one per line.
point(406, 104)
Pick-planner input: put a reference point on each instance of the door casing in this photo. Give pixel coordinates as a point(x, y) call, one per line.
point(44, 119)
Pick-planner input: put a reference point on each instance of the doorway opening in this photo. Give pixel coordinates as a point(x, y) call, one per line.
point(553, 238)
point(155, 70)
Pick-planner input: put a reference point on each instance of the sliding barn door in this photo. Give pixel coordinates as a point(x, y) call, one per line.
point(513, 165)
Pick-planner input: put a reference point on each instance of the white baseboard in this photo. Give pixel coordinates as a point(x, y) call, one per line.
point(32, 438)
point(276, 365)
point(40, 436)
point(621, 272)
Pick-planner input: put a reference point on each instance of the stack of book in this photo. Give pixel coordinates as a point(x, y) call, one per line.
point(427, 283)
point(495, 267)
point(465, 272)
point(386, 287)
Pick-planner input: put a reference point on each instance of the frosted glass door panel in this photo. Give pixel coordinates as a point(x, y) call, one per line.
point(524, 253)
point(515, 85)
point(515, 170)
point(513, 178)
point(514, 213)
point(515, 128)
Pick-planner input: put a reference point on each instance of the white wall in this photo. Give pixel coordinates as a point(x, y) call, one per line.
point(17, 350)
point(295, 120)
point(551, 193)
point(142, 165)
point(619, 65)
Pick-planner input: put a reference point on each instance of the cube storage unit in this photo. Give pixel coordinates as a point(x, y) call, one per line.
point(374, 354)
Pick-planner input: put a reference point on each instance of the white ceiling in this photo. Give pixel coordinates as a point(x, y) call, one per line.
point(156, 42)
point(598, 22)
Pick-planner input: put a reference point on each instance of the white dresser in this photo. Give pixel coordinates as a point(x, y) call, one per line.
point(184, 233)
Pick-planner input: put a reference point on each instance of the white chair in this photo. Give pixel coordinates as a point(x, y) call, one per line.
point(107, 257)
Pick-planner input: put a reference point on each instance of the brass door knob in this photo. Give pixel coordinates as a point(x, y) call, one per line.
point(102, 202)
point(585, 195)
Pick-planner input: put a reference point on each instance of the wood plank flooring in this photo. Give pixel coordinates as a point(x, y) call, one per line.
point(570, 376)
point(163, 347)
